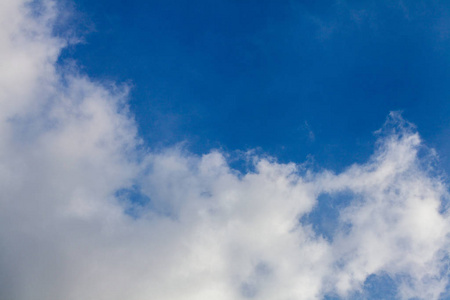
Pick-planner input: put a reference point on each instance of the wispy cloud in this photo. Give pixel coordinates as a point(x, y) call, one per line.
point(69, 145)
point(307, 128)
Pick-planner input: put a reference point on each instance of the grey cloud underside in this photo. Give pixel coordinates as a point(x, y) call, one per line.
point(69, 147)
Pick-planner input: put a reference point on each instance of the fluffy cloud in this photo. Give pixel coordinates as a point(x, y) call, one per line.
point(72, 168)
point(395, 221)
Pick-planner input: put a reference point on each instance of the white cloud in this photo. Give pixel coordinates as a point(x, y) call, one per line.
point(69, 146)
point(396, 225)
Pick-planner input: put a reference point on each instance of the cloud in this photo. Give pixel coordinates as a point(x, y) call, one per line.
point(71, 161)
point(396, 225)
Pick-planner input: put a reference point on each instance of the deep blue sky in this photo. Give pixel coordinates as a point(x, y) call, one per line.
point(294, 78)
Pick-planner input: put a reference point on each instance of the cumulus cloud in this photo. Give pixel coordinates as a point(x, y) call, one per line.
point(72, 168)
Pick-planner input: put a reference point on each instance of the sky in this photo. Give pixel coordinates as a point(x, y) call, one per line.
point(295, 78)
point(226, 150)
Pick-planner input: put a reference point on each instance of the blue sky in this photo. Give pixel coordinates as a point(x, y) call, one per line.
point(295, 78)
point(225, 150)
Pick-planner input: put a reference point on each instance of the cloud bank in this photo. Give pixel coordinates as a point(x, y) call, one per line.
point(87, 213)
